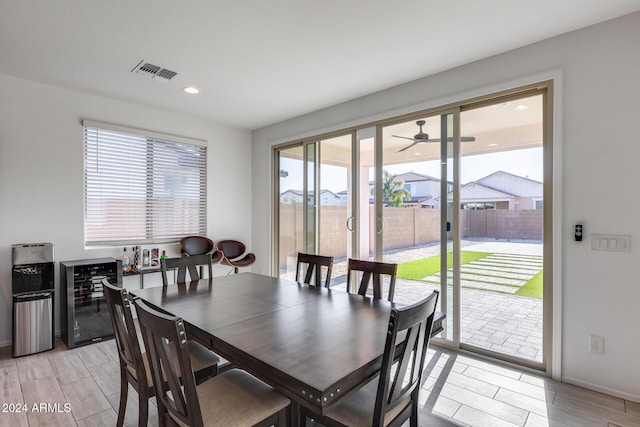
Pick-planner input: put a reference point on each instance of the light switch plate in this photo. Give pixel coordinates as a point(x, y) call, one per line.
point(610, 242)
point(596, 344)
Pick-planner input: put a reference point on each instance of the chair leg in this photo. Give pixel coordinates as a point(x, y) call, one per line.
point(124, 391)
point(143, 411)
point(413, 422)
point(235, 270)
point(284, 417)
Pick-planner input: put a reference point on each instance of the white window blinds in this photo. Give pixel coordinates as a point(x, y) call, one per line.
point(142, 187)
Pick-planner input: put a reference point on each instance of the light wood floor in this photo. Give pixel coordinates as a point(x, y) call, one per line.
point(459, 390)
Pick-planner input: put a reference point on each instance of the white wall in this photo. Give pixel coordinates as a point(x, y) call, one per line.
point(41, 173)
point(597, 139)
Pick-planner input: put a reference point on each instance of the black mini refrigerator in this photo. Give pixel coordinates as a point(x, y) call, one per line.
point(33, 290)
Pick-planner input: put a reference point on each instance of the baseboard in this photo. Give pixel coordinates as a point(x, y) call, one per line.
point(612, 392)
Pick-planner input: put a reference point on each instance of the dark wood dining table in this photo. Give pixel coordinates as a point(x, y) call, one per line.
point(313, 344)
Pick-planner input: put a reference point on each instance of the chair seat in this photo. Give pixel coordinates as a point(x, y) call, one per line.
point(243, 262)
point(235, 398)
point(216, 257)
point(196, 245)
point(356, 410)
point(201, 358)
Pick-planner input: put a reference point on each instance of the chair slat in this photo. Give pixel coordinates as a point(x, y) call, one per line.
point(313, 264)
point(184, 264)
point(373, 270)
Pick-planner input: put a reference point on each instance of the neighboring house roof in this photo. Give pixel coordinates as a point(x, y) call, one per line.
point(413, 176)
point(300, 193)
point(419, 199)
point(296, 192)
point(519, 186)
point(477, 191)
point(498, 173)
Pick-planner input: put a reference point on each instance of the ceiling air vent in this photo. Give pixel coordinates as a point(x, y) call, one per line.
point(153, 71)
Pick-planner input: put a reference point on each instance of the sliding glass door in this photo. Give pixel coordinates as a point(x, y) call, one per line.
point(501, 207)
point(315, 207)
point(460, 207)
point(457, 197)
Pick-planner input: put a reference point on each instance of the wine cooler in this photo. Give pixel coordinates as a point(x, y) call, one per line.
point(85, 316)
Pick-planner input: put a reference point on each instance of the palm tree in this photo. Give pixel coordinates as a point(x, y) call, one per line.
point(393, 191)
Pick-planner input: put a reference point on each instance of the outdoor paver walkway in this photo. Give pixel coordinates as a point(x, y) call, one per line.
point(499, 321)
point(496, 272)
point(492, 315)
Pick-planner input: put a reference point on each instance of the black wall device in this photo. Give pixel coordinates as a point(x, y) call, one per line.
point(578, 233)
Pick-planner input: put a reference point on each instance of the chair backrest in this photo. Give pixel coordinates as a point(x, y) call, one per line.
point(395, 386)
point(314, 263)
point(231, 248)
point(195, 245)
point(124, 329)
point(373, 270)
point(184, 263)
point(174, 383)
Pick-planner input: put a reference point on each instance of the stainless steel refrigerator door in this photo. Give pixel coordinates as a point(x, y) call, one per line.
point(33, 323)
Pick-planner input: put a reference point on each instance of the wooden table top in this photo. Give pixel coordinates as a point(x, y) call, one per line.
point(311, 343)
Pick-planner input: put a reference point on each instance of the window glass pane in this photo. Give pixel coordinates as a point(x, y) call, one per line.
point(140, 189)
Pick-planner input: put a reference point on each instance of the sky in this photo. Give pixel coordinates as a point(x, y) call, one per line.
point(526, 163)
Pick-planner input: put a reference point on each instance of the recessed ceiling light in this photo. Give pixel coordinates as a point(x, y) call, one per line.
point(191, 89)
point(418, 154)
point(521, 108)
point(501, 105)
point(493, 145)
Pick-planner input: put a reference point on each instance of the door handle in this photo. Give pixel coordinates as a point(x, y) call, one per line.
point(379, 223)
point(350, 223)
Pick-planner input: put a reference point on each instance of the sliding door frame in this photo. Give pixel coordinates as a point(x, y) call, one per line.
point(305, 144)
point(551, 311)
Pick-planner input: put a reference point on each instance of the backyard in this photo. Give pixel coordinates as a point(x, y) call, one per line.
point(508, 273)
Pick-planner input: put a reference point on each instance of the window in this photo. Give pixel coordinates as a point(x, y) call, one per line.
point(411, 188)
point(142, 187)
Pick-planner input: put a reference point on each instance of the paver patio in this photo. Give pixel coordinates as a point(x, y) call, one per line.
point(493, 317)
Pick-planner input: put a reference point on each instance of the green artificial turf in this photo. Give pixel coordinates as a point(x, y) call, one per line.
point(421, 268)
point(533, 288)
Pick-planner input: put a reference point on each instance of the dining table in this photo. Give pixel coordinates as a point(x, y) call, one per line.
point(313, 344)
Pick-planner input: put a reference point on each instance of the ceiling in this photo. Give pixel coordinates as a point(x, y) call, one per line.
point(259, 62)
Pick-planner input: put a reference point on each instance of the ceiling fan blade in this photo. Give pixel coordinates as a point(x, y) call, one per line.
point(403, 137)
point(408, 146)
point(462, 138)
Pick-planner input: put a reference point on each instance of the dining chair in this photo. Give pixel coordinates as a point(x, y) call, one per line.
point(184, 263)
point(199, 245)
point(134, 365)
point(314, 263)
point(232, 398)
point(393, 398)
point(372, 270)
point(233, 254)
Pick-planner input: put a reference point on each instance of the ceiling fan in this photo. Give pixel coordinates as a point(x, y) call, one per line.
point(424, 137)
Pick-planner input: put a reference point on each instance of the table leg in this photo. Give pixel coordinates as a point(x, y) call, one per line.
point(295, 414)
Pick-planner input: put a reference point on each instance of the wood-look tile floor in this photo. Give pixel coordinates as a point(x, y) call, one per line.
point(80, 387)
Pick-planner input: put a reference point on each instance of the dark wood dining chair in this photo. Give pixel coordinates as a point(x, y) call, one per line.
point(199, 245)
point(372, 270)
point(184, 263)
point(314, 264)
point(233, 254)
point(232, 398)
point(393, 398)
point(134, 365)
